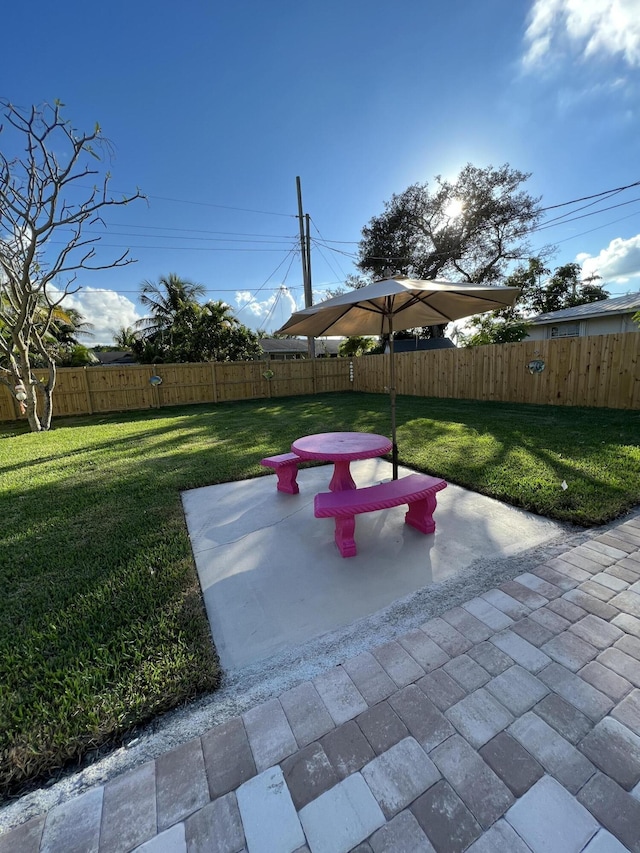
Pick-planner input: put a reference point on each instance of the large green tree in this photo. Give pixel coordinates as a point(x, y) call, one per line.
point(542, 292)
point(45, 166)
point(181, 329)
point(469, 229)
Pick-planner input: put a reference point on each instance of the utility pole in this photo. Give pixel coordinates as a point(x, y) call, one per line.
point(305, 252)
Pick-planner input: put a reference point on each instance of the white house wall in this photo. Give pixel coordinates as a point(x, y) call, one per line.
point(590, 326)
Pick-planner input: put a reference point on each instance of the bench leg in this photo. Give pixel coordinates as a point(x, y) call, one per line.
point(345, 529)
point(287, 481)
point(420, 514)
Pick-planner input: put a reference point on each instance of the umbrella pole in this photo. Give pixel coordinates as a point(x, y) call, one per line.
point(392, 390)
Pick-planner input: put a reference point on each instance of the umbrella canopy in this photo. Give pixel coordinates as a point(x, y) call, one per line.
point(394, 304)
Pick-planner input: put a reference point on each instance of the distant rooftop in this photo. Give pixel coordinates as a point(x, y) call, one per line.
point(108, 357)
point(618, 305)
point(413, 344)
point(298, 345)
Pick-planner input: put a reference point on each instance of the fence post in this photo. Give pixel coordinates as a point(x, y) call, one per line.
point(154, 388)
point(214, 382)
point(87, 391)
point(268, 371)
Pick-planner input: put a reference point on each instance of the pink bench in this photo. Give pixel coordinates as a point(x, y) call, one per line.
point(286, 467)
point(416, 490)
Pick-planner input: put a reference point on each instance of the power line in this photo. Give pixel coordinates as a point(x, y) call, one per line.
point(560, 219)
point(283, 239)
point(170, 248)
point(591, 230)
point(584, 216)
point(290, 254)
point(195, 230)
point(89, 290)
point(326, 261)
point(198, 203)
point(588, 197)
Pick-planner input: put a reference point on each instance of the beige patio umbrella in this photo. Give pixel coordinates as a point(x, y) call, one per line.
point(392, 305)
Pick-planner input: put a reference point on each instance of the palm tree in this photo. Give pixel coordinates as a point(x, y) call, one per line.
point(167, 301)
point(66, 324)
point(125, 337)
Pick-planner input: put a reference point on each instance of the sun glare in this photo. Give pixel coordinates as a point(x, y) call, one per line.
point(454, 208)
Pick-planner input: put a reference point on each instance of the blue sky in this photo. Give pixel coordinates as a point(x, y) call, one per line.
point(214, 109)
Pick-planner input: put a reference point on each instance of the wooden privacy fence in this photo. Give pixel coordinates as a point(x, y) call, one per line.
point(90, 390)
point(600, 370)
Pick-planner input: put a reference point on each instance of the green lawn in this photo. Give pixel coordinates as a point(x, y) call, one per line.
point(101, 621)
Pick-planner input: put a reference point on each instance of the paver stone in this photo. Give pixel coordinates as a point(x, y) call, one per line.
point(558, 757)
point(445, 819)
point(615, 749)
point(342, 817)
point(269, 734)
point(268, 815)
point(517, 689)
point(628, 712)
point(481, 790)
point(181, 783)
point(216, 828)
point(308, 773)
point(479, 717)
point(227, 756)
point(306, 712)
point(347, 748)
point(401, 833)
point(74, 826)
point(370, 678)
point(517, 768)
point(424, 721)
point(616, 810)
point(129, 809)
point(566, 826)
point(393, 786)
point(340, 695)
point(424, 650)
point(382, 727)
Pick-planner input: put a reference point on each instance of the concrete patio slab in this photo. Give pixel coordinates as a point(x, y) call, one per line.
point(273, 579)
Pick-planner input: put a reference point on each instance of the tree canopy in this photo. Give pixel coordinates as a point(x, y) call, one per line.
point(469, 229)
point(542, 293)
point(356, 345)
point(181, 329)
point(44, 209)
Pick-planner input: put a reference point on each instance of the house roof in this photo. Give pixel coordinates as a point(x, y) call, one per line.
point(107, 357)
point(413, 344)
point(628, 304)
point(298, 345)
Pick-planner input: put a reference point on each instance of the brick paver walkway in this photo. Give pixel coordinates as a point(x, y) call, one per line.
point(509, 724)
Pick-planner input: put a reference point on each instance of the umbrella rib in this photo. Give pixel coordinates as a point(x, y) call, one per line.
point(415, 299)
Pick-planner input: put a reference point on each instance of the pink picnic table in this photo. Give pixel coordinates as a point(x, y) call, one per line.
point(341, 448)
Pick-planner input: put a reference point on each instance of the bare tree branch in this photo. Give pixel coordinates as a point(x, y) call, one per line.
point(36, 203)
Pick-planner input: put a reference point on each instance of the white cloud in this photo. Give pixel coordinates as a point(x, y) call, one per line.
point(619, 263)
point(107, 310)
point(270, 313)
point(590, 27)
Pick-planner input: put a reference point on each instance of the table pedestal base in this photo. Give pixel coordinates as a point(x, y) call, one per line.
point(342, 480)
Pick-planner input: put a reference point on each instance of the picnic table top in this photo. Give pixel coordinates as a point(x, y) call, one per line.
point(341, 446)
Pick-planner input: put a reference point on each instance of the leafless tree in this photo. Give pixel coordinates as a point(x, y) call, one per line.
point(44, 195)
